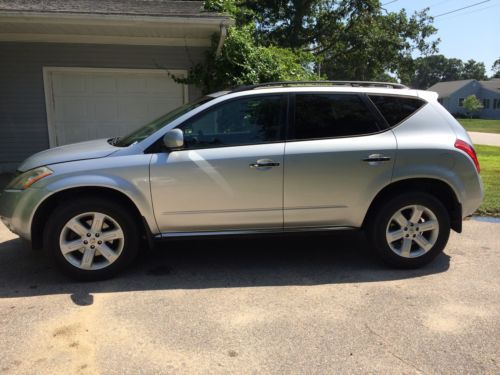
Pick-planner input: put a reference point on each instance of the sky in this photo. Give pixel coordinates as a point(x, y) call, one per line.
point(472, 33)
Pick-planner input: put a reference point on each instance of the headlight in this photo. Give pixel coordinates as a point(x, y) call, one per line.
point(28, 178)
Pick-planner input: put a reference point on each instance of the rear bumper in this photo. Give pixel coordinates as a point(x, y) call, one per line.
point(473, 197)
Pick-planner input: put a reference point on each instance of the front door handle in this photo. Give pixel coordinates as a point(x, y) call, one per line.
point(377, 157)
point(264, 163)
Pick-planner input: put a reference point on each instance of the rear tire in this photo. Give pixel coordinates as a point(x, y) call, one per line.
point(409, 230)
point(91, 238)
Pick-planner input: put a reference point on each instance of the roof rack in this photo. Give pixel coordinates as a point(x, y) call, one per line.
point(321, 83)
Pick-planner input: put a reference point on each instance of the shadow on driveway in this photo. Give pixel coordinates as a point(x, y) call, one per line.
point(199, 264)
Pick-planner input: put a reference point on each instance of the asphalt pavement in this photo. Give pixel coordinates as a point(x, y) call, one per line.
point(308, 305)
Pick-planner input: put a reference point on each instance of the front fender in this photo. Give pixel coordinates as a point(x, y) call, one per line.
point(128, 175)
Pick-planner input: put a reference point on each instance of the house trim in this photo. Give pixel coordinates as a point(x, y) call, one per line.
point(102, 39)
point(49, 93)
point(153, 30)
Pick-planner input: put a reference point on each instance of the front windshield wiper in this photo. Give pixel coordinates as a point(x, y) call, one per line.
point(113, 141)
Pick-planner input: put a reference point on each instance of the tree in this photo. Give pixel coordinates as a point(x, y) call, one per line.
point(472, 105)
point(426, 71)
point(432, 69)
point(354, 39)
point(496, 69)
point(342, 39)
point(474, 70)
point(243, 62)
point(242, 59)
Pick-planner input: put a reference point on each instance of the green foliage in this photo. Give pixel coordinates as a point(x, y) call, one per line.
point(370, 44)
point(496, 69)
point(480, 125)
point(437, 68)
point(243, 62)
point(342, 39)
point(489, 159)
point(242, 14)
point(474, 70)
point(354, 39)
point(219, 6)
point(472, 104)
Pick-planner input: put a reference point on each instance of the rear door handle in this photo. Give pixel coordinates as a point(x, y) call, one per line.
point(377, 157)
point(264, 163)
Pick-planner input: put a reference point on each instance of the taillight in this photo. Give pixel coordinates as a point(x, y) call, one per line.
point(469, 150)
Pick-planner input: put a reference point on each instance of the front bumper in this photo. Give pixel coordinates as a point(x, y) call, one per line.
point(17, 208)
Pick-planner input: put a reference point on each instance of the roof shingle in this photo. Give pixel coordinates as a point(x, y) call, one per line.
point(115, 7)
point(445, 89)
point(493, 84)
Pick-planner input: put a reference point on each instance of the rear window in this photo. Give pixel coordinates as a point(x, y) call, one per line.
point(396, 108)
point(332, 115)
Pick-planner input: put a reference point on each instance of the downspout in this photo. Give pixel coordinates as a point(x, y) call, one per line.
point(222, 38)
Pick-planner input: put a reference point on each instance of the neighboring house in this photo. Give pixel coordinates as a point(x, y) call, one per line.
point(453, 93)
point(73, 70)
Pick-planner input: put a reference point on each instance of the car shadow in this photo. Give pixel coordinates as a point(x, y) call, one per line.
point(198, 264)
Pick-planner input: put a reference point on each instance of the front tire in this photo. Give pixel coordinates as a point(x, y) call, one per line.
point(409, 230)
point(91, 238)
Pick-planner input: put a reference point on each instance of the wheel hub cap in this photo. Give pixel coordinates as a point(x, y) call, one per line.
point(412, 231)
point(91, 241)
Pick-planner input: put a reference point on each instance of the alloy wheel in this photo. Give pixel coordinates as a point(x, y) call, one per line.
point(412, 231)
point(91, 241)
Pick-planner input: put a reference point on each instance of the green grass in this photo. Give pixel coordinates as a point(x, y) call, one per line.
point(480, 125)
point(489, 159)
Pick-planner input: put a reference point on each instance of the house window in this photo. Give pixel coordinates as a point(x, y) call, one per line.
point(496, 103)
point(486, 103)
point(461, 102)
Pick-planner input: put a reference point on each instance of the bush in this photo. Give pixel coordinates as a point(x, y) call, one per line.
point(243, 62)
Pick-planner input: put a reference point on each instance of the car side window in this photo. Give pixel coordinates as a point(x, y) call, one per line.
point(332, 115)
point(396, 108)
point(245, 121)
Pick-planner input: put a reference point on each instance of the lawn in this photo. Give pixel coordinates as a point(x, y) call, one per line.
point(489, 159)
point(480, 125)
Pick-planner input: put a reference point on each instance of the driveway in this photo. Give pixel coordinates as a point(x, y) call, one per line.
point(256, 306)
point(489, 139)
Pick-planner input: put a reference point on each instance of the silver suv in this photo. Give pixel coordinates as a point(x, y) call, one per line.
point(271, 158)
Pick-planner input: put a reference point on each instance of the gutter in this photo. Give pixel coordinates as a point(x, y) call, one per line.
point(222, 38)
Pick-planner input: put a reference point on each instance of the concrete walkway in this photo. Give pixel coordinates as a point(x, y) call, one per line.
point(489, 139)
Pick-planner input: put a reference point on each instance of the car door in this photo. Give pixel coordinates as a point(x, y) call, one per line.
point(229, 175)
point(338, 156)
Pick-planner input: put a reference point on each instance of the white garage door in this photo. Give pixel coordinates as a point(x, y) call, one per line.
point(89, 104)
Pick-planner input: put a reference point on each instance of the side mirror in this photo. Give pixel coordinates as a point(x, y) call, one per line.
point(174, 139)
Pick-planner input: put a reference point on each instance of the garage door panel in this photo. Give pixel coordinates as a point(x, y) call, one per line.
point(106, 110)
point(132, 85)
point(96, 104)
point(161, 85)
point(74, 108)
point(134, 109)
point(104, 85)
point(109, 130)
point(71, 85)
point(72, 134)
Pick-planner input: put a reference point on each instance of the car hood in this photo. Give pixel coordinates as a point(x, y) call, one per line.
point(76, 151)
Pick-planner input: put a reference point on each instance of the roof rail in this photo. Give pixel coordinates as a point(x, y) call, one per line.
point(321, 83)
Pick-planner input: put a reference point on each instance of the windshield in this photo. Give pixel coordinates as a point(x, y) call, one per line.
point(146, 130)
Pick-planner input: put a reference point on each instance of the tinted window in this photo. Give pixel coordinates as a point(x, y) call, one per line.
point(145, 131)
point(237, 122)
point(331, 115)
point(394, 108)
